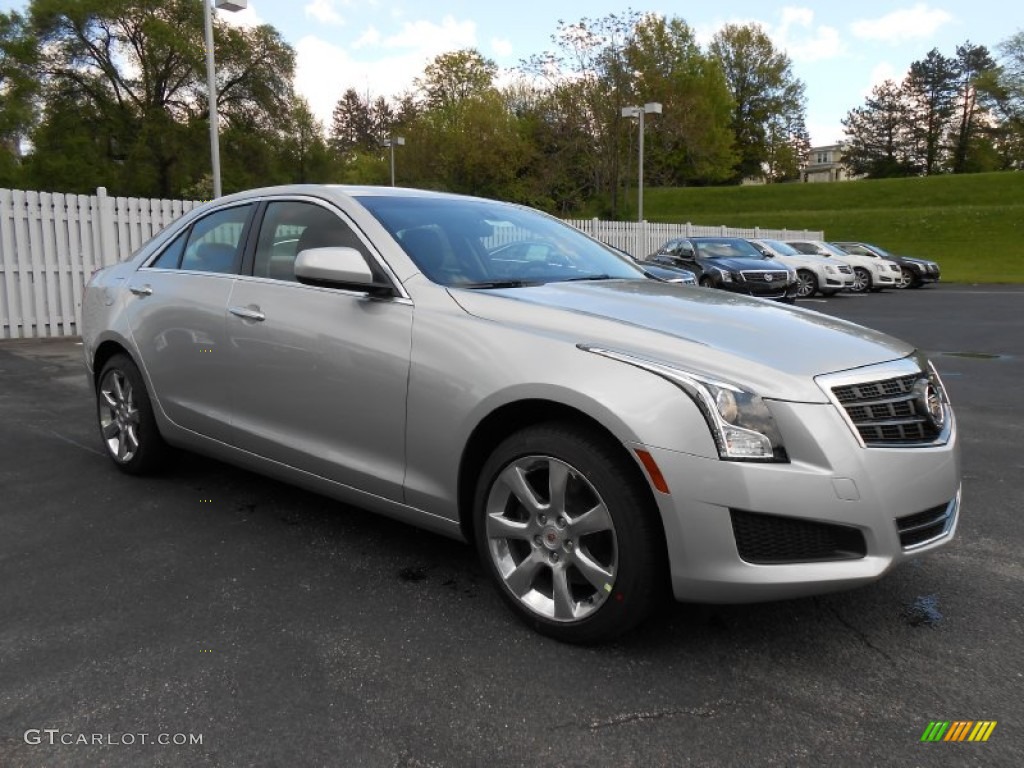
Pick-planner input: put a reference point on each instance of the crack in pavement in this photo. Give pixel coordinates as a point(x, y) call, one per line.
point(707, 711)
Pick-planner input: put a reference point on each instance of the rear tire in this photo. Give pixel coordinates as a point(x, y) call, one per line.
point(569, 534)
point(125, 415)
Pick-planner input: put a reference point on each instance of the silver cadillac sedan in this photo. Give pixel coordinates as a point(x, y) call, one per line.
point(489, 373)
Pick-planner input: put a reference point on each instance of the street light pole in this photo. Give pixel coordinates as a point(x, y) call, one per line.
point(651, 107)
point(211, 83)
point(390, 143)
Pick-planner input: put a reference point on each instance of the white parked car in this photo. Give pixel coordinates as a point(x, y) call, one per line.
point(816, 274)
point(870, 273)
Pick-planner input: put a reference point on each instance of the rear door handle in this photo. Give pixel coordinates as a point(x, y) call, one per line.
point(143, 290)
point(247, 314)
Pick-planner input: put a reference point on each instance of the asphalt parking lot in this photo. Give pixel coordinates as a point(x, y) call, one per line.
point(283, 629)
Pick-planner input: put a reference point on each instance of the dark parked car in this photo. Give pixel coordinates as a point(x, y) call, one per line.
point(914, 272)
point(730, 263)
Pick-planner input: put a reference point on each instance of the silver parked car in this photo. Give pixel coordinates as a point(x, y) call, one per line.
point(599, 436)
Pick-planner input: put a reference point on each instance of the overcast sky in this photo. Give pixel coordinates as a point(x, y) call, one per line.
point(839, 49)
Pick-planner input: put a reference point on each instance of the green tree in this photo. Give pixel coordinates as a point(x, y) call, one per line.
point(137, 69)
point(352, 126)
point(462, 137)
point(589, 81)
point(691, 141)
point(879, 142)
point(930, 89)
point(973, 64)
point(1005, 85)
point(764, 90)
point(18, 52)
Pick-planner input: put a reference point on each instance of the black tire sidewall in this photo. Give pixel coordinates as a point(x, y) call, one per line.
point(151, 445)
point(641, 575)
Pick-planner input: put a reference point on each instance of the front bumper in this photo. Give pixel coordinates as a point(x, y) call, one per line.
point(831, 481)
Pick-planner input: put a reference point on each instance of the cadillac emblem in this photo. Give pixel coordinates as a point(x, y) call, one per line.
point(768, 277)
point(928, 403)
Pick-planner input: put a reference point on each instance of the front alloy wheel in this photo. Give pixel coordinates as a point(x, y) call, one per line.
point(906, 279)
point(861, 280)
point(551, 538)
point(807, 284)
point(568, 531)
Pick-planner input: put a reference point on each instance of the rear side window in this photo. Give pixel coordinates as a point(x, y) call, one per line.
point(214, 242)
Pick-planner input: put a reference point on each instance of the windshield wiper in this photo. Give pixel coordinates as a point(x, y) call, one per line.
point(499, 284)
point(587, 277)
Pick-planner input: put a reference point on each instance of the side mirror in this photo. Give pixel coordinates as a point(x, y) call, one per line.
point(338, 268)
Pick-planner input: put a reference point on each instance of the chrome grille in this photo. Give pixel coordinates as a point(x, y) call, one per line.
point(758, 276)
point(888, 412)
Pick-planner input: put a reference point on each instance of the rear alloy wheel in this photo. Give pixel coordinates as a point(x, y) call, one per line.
point(906, 279)
point(125, 415)
point(807, 284)
point(861, 280)
point(567, 531)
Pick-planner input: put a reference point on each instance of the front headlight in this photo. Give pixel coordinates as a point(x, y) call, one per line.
point(741, 424)
point(829, 269)
point(724, 275)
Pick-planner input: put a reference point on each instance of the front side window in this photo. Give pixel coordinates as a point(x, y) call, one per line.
point(290, 227)
point(214, 242)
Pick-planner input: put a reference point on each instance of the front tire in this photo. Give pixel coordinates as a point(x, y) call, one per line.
point(706, 282)
point(125, 415)
point(569, 534)
point(907, 279)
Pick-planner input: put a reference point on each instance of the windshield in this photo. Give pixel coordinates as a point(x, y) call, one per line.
point(833, 250)
point(781, 248)
point(472, 243)
point(727, 249)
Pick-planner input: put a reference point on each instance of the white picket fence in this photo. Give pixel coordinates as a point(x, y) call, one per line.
point(50, 243)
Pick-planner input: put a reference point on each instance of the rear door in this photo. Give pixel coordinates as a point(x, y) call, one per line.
point(176, 314)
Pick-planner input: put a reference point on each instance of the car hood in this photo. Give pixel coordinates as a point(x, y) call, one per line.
point(739, 263)
point(772, 348)
point(915, 260)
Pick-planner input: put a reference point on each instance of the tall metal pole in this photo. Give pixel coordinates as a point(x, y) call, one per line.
point(391, 143)
point(640, 174)
point(211, 84)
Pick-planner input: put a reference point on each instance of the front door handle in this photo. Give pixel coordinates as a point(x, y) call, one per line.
point(143, 290)
point(248, 314)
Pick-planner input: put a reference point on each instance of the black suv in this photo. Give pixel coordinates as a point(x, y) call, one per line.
point(730, 263)
point(914, 272)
